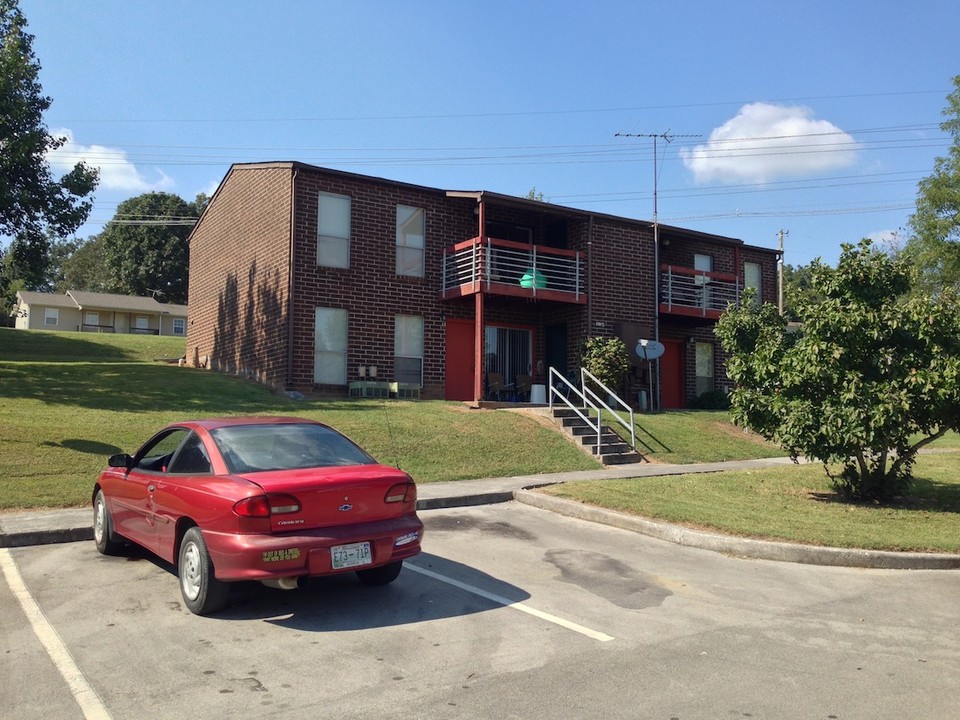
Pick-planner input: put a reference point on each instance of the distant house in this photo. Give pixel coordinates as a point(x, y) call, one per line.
point(316, 279)
point(98, 312)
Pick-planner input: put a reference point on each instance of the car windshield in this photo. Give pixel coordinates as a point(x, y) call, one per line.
point(285, 446)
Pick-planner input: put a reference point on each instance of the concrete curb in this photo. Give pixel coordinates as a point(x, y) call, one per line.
point(741, 547)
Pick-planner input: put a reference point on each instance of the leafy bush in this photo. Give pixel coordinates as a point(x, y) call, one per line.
point(711, 400)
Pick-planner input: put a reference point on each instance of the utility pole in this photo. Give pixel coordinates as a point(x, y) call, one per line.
point(667, 137)
point(780, 269)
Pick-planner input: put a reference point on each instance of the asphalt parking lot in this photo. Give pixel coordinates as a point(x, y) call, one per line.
point(511, 612)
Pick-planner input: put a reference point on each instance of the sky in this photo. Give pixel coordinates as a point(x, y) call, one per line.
point(739, 118)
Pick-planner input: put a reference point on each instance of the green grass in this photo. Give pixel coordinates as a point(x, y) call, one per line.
point(793, 504)
point(68, 400)
point(688, 436)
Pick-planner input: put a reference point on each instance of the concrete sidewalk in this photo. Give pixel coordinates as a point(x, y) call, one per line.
point(57, 526)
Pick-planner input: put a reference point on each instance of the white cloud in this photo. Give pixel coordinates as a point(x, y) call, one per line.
point(766, 142)
point(116, 170)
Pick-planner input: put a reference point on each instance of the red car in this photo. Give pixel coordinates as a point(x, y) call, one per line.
point(273, 499)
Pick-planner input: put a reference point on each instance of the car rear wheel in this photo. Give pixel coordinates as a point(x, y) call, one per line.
point(383, 575)
point(202, 592)
point(103, 527)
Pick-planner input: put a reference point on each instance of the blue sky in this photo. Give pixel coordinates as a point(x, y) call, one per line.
point(818, 118)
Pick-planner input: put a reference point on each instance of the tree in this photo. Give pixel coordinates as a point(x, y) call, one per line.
point(146, 246)
point(84, 266)
point(872, 376)
point(935, 244)
point(34, 206)
point(607, 359)
point(796, 289)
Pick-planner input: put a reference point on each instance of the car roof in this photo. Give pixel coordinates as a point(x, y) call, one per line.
point(214, 423)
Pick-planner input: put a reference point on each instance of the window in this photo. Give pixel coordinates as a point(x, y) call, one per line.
point(333, 230)
point(751, 279)
point(179, 326)
point(51, 316)
point(704, 360)
point(408, 349)
point(91, 318)
point(508, 352)
point(703, 262)
point(141, 322)
point(192, 458)
point(330, 347)
point(410, 229)
point(157, 453)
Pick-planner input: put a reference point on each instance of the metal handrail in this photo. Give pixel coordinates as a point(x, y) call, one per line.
point(584, 374)
point(555, 391)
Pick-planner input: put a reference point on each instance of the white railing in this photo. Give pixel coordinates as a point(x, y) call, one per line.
point(490, 262)
point(591, 404)
point(612, 396)
point(697, 290)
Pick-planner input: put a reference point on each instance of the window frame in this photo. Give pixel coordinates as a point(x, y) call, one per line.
point(336, 350)
point(404, 247)
point(403, 351)
point(51, 314)
point(331, 241)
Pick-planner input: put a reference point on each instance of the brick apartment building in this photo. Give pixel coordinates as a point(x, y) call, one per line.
point(315, 279)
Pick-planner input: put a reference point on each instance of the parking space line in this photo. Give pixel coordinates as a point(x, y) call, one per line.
point(507, 602)
point(86, 697)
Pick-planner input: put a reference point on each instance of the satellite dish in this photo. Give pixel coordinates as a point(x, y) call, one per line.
point(650, 349)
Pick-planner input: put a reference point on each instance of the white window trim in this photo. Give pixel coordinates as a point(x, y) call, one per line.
point(334, 239)
point(51, 314)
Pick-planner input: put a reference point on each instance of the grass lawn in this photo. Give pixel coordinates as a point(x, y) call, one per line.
point(793, 504)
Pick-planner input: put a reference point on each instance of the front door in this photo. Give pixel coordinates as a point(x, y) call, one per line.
point(672, 377)
point(459, 364)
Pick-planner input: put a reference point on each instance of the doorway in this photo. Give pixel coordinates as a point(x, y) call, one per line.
point(459, 364)
point(672, 376)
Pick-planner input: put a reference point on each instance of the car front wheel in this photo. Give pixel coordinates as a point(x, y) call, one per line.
point(383, 575)
point(103, 527)
point(202, 592)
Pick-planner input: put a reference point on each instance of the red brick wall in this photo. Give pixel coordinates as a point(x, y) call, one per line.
point(370, 290)
point(238, 275)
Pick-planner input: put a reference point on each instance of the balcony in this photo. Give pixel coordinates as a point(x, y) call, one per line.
point(695, 293)
point(504, 267)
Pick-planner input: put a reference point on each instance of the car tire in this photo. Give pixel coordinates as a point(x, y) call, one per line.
point(103, 527)
point(201, 591)
point(383, 575)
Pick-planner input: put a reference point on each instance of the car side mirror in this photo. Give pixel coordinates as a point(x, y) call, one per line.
point(120, 461)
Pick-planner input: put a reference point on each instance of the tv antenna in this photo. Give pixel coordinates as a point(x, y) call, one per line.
point(667, 137)
point(154, 293)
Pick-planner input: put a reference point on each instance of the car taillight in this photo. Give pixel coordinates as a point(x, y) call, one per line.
point(401, 492)
point(262, 506)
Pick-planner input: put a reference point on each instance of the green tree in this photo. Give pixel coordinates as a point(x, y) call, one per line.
point(872, 376)
point(145, 246)
point(34, 206)
point(797, 289)
point(935, 243)
point(607, 359)
point(84, 266)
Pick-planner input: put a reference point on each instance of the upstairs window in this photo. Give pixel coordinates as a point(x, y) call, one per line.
point(333, 230)
point(410, 241)
point(751, 279)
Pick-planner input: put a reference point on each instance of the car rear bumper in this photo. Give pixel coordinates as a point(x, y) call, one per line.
point(259, 557)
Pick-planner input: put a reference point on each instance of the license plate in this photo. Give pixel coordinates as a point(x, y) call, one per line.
point(352, 555)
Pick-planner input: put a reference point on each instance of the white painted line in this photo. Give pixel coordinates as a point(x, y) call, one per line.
point(86, 697)
point(507, 602)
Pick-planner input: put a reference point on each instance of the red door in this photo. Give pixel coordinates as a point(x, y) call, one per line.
point(672, 375)
point(459, 366)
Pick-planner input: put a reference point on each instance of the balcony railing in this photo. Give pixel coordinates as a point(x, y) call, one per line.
point(504, 267)
point(696, 293)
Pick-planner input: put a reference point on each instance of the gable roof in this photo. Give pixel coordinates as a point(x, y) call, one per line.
point(78, 300)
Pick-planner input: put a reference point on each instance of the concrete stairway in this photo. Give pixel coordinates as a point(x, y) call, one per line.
point(613, 450)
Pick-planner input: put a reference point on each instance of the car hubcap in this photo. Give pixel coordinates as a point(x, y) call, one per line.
point(98, 521)
point(190, 573)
